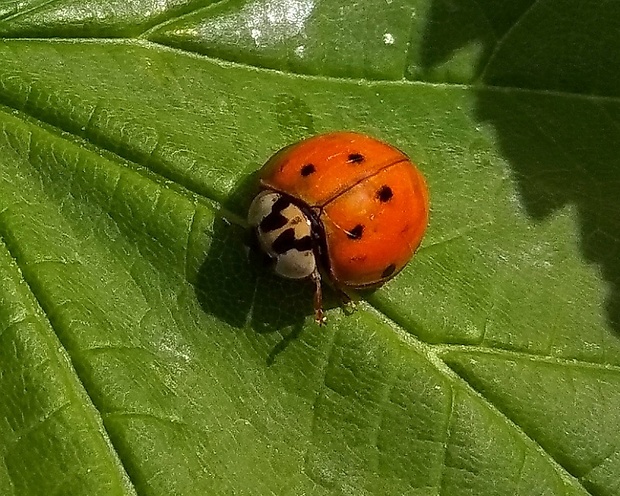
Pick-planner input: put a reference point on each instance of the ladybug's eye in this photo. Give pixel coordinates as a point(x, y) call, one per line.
point(355, 158)
point(308, 169)
point(356, 232)
point(388, 271)
point(384, 194)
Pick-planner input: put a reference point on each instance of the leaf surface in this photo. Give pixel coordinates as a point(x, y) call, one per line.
point(144, 349)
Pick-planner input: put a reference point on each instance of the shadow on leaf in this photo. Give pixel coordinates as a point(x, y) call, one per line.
point(561, 145)
point(236, 282)
point(561, 155)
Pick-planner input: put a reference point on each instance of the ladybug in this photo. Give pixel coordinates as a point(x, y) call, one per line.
point(343, 205)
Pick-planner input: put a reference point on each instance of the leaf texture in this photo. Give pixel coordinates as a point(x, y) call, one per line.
point(144, 347)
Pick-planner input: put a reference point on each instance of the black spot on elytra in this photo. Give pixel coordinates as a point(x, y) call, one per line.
point(388, 271)
point(385, 194)
point(356, 232)
point(275, 220)
point(287, 241)
point(355, 158)
point(308, 169)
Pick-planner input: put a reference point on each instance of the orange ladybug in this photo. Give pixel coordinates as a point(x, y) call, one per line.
point(341, 204)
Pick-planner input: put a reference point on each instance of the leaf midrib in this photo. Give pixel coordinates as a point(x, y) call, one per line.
point(478, 87)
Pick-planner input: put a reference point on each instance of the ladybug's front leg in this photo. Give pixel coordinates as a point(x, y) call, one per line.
point(319, 316)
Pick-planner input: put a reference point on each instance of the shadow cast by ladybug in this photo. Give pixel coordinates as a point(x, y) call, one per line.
point(561, 137)
point(236, 282)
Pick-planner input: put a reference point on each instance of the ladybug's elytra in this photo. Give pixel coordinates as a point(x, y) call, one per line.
point(342, 204)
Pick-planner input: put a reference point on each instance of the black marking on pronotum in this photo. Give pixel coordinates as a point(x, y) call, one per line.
point(275, 220)
point(287, 241)
point(388, 271)
point(385, 194)
point(355, 158)
point(356, 232)
point(317, 241)
point(308, 169)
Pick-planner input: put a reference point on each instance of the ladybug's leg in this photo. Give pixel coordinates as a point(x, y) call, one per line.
point(319, 316)
point(345, 298)
point(347, 302)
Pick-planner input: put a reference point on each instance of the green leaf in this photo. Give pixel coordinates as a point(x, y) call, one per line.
point(144, 348)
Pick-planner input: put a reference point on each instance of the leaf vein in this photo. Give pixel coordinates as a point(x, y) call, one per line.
point(313, 408)
point(433, 354)
point(447, 442)
point(500, 42)
point(23, 268)
point(22, 13)
point(199, 6)
point(443, 349)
